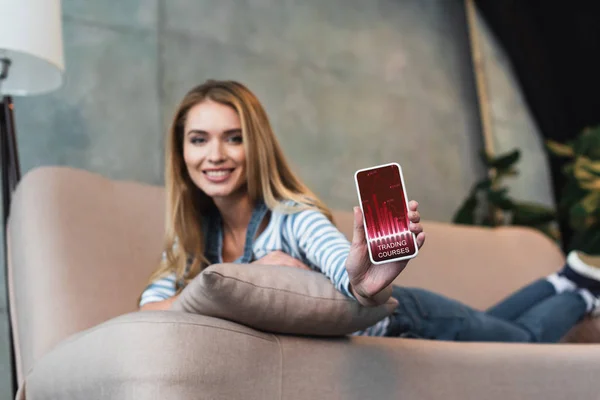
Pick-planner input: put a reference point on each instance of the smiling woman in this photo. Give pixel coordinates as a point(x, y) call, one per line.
point(213, 149)
point(231, 197)
point(225, 174)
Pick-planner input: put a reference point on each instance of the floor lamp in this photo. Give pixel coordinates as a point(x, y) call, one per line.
point(31, 62)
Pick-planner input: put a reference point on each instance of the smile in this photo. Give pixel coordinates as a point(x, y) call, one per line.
point(218, 175)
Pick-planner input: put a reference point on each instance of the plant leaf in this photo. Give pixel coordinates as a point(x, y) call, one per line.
point(588, 143)
point(577, 217)
point(585, 212)
point(503, 161)
point(549, 230)
point(504, 172)
point(591, 202)
point(568, 169)
point(591, 185)
point(584, 170)
point(530, 214)
point(559, 149)
point(487, 221)
point(466, 213)
point(586, 240)
point(483, 185)
point(588, 168)
point(509, 172)
point(498, 198)
point(571, 194)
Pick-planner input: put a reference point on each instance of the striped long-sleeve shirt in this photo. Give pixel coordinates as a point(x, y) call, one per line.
point(307, 236)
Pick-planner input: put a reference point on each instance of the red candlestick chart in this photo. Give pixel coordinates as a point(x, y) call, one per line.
point(384, 220)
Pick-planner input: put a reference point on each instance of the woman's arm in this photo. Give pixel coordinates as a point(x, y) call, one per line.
point(159, 295)
point(159, 305)
point(322, 245)
point(348, 265)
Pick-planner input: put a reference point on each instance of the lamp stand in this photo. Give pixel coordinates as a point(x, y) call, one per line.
point(11, 170)
point(11, 174)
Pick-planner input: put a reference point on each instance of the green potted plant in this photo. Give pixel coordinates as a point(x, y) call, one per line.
point(579, 201)
point(489, 204)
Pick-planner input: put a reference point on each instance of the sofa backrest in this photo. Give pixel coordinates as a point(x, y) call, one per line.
point(476, 265)
point(81, 248)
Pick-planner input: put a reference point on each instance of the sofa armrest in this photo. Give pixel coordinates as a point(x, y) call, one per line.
point(81, 248)
point(166, 354)
point(159, 355)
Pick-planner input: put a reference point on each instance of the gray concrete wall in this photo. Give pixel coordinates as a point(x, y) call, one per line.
point(347, 83)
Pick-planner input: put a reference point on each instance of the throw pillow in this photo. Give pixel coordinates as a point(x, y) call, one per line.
point(277, 299)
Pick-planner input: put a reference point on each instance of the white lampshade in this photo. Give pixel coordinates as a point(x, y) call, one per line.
point(31, 37)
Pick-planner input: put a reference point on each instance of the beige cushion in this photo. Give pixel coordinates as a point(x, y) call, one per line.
point(277, 299)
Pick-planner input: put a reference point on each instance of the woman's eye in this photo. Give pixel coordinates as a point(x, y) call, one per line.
point(236, 139)
point(197, 140)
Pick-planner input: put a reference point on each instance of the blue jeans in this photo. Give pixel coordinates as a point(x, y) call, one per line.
point(536, 313)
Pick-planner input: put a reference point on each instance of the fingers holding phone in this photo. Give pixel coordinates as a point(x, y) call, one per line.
point(415, 226)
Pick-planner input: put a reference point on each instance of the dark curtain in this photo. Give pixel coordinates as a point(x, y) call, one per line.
point(554, 48)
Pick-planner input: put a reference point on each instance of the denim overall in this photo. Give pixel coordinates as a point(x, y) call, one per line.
point(213, 234)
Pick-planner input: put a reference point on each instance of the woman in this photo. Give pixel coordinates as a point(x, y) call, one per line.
point(233, 198)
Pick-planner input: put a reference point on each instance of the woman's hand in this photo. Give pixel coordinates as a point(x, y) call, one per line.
point(281, 258)
point(371, 284)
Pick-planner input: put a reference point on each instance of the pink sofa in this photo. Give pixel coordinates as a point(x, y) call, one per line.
point(82, 246)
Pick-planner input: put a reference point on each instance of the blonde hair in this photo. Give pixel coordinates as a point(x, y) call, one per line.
point(269, 178)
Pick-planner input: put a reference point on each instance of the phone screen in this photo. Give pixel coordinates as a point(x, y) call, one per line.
point(385, 210)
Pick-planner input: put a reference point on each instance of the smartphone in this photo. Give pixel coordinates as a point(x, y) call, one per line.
point(382, 198)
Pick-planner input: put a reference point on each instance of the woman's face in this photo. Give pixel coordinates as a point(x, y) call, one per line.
point(213, 150)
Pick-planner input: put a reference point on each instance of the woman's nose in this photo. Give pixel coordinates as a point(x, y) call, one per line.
point(216, 154)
